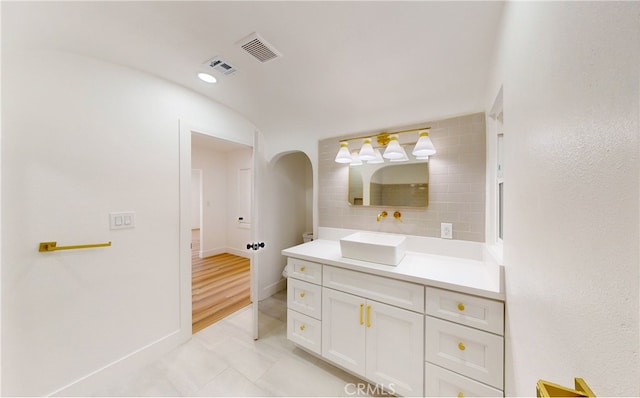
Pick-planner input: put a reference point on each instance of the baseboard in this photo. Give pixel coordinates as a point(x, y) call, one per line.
point(240, 253)
point(222, 250)
point(212, 252)
point(121, 369)
point(272, 289)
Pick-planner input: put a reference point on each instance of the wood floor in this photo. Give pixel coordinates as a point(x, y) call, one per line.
point(219, 285)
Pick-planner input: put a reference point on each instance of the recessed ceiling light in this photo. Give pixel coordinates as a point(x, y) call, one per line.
point(205, 77)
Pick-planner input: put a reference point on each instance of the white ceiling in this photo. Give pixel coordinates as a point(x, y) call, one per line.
point(347, 67)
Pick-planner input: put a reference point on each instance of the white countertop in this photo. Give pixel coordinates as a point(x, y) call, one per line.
point(453, 273)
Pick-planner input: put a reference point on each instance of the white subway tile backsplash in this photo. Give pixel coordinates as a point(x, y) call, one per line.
point(456, 186)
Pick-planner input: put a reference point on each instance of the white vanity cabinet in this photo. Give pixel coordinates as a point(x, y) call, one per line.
point(464, 345)
point(381, 342)
point(395, 329)
point(304, 303)
point(378, 341)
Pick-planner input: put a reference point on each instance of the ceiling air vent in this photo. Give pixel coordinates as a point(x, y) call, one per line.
point(255, 45)
point(221, 66)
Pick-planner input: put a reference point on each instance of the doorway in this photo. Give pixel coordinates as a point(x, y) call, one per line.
point(220, 229)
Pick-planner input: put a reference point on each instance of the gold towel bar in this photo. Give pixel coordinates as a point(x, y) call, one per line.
point(52, 246)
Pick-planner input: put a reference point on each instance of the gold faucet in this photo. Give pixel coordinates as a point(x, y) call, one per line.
point(397, 215)
point(381, 215)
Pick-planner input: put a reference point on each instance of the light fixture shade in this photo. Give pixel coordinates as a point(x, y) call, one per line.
point(366, 152)
point(422, 158)
point(424, 146)
point(355, 159)
point(404, 157)
point(394, 150)
point(378, 158)
point(343, 155)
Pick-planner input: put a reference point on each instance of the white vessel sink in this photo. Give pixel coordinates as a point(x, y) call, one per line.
point(374, 247)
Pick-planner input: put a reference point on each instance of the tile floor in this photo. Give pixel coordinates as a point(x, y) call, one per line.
point(224, 360)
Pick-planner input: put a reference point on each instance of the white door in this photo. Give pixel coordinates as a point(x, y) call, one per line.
point(258, 229)
point(343, 329)
point(395, 348)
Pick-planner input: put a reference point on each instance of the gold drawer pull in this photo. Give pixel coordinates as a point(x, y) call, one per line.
point(461, 346)
point(302, 269)
point(368, 316)
point(361, 314)
point(460, 395)
point(301, 294)
point(460, 306)
point(302, 327)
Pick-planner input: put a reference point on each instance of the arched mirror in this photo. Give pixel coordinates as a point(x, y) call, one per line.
point(397, 184)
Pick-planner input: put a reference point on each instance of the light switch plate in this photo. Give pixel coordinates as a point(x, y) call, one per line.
point(446, 230)
point(122, 220)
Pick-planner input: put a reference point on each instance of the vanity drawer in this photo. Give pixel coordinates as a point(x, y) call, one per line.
point(304, 297)
point(468, 310)
point(304, 270)
point(390, 291)
point(304, 331)
point(470, 352)
point(441, 382)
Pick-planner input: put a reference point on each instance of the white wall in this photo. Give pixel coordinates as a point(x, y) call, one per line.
point(221, 231)
point(82, 138)
point(287, 198)
point(237, 235)
point(214, 199)
point(571, 88)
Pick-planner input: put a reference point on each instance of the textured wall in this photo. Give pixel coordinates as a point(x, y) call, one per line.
point(456, 186)
point(570, 76)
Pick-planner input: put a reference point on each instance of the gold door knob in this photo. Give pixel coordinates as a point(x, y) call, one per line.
point(460, 306)
point(302, 269)
point(461, 346)
point(302, 327)
point(460, 395)
point(301, 294)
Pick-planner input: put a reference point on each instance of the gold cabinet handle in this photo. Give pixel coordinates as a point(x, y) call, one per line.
point(302, 269)
point(461, 346)
point(460, 395)
point(368, 316)
point(461, 306)
point(362, 314)
point(302, 327)
point(302, 294)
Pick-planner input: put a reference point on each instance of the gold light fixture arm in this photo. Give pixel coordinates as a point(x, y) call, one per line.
point(383, 137)
point(53, 246)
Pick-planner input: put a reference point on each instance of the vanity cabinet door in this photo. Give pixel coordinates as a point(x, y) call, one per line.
point(343, 331)
point(395, 346)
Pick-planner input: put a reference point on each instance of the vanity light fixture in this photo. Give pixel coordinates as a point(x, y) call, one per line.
point(355, 159)
point(394, 151)
point(367, 152)
point(378, 159)
point(343, 156)
point(424, 146)
point(402, 158)
point(205, 77)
